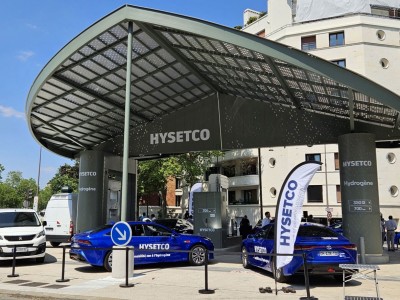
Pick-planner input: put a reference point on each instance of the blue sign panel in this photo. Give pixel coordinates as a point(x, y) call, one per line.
point(121, 233)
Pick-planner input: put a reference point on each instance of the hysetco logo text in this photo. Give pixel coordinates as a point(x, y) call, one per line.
point(172, 137)
point(357, 163)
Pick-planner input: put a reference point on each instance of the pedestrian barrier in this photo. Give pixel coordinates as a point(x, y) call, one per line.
point(206, 289)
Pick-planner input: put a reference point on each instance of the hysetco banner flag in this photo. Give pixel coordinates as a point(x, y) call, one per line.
point(289, 209)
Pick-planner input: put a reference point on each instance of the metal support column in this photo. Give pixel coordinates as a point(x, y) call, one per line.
point(124, 200)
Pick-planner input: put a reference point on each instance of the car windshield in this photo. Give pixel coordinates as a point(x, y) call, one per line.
point(101, 228)
point(316, 231)
point(18, 219)
point(304, 231)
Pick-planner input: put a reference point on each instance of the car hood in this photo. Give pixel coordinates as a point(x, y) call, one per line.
point(20, 230)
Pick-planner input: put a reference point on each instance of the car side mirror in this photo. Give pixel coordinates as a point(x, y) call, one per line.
point(251, 236)
point(44, 223)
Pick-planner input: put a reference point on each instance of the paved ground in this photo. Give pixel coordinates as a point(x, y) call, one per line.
point(226, 277)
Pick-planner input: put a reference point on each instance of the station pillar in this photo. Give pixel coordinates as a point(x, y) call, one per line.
point(360, 194)
point(91, 190)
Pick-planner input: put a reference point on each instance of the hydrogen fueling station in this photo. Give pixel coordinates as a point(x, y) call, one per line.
point(142, 83)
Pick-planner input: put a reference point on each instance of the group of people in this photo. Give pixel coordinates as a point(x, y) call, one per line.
point(144, 218)
point(388, 229)
point(245, 227)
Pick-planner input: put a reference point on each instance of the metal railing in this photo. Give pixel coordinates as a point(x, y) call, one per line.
point(206, 289)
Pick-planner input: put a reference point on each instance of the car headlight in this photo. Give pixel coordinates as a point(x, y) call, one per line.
point(40, 234)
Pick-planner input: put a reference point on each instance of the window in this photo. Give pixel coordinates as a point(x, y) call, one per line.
point(308, 43)
point(391, 157)
point(314, 157)
point(250, 197)
point(228, 171)
point(231, 197)
point(384, 62)
point(272, 192)
point(337, 164)
point(177, 183)
point(314, 193)
point(394, 191)
point(272, 162)
point(336, 39)
point(340, 62)
point(338, 194)
point(178, 200)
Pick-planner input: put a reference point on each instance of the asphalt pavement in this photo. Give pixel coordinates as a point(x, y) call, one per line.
point(225, 279)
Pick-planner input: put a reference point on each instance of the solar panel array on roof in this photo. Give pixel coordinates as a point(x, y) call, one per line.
point(82, 103)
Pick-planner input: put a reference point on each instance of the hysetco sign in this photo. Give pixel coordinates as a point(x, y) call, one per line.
point(183, 136)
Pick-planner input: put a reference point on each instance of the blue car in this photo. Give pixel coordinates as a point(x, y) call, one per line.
point(153, 243)
point(324, 249)
point(337, 227)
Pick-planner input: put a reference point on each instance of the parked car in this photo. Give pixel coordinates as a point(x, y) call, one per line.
point(337, 227)
point(324, 248)
point(145, 236)
point(179, 225)
point(21, 228)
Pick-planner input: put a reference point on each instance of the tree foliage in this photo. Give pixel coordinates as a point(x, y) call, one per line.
point(66, 176)
point(153, 174)
point(15, 189)
point(1, 170)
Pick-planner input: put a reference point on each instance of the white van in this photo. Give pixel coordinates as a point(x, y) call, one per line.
point(21, 229)
point(60, 217)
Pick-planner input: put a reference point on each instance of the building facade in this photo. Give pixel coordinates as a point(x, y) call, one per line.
point(364, 38)
point(364, 41)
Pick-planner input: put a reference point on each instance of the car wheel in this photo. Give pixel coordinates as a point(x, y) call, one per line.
point(197, 255)
point(108, 262)
point(278, 273)
point(40, 260)
point(55, 244)
point(245, 258)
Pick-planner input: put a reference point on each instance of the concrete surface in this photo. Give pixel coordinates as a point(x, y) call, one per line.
point(226, 277)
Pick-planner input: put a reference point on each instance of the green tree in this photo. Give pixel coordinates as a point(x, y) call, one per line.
point(44, 197)
point(1, 170)
point(153, 175)
point(66, 176)
point(15, 189)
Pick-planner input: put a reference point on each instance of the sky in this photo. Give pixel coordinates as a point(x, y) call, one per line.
point(33, 31)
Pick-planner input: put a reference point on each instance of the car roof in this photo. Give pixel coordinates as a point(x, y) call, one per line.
point(16, 210)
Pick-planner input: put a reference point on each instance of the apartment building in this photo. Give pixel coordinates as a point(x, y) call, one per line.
point(364, 38)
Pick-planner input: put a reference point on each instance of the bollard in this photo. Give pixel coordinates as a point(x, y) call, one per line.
point(13, 263)
point(362, 250)
point(306, 279)
point(206, 290)
point(63, 268)
point(127, 284)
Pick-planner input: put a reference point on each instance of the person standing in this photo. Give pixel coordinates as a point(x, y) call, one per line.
point(266, 220)
point(245, 227)
point(383, 227)
point(391, 226)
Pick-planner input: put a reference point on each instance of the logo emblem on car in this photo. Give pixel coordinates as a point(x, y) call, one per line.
point(20, 238)
point(329, 247)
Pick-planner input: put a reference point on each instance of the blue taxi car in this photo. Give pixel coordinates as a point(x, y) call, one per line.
point(153, 243)
point(324, 250)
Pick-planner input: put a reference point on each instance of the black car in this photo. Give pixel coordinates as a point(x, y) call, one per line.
point(179, 225)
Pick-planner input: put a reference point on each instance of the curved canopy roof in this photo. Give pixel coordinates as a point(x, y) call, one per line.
point(192, 82)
